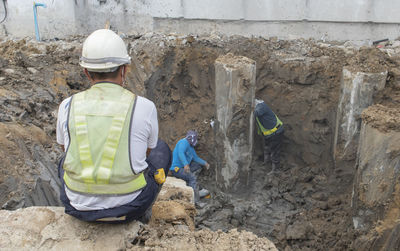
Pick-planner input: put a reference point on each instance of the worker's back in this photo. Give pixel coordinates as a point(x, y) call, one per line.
point(265, 115)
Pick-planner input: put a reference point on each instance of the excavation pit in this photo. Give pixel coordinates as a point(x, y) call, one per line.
point(307, 205)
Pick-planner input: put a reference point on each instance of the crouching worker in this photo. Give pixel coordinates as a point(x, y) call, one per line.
point(114, 164)
point(187, 165)
point(271, 127)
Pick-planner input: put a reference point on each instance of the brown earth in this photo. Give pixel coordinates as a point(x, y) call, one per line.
point(382, 118)
point(304, 207)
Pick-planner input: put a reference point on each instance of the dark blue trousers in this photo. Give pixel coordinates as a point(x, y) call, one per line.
point(272, 147)
point(159, 157)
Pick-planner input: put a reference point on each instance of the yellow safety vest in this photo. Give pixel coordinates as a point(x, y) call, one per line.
point(266, 132)
point(97, 160)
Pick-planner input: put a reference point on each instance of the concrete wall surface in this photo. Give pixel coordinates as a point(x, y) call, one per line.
point(56, 20)
point(331, 20)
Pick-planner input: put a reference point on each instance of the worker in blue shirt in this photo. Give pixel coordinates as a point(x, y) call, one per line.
point(186, 164)
point(271, 127)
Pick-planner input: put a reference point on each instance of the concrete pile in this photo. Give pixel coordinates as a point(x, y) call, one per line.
point(357, 91)
point(235, 80)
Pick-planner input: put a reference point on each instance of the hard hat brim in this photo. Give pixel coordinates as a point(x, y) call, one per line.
point(103, 64)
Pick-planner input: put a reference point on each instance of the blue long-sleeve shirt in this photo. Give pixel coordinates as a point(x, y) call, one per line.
point(183, 154)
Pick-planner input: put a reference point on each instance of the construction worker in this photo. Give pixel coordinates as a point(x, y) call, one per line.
point(271, 127)
point(186, 164)
point(114, 164)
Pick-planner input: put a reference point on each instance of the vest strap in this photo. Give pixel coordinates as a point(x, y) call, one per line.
point(122, 188)
point(82, 136)
point(111, 145)
point(266, 132)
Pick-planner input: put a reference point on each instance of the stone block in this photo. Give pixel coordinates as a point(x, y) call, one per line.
point(49, 228)
point(176, 189)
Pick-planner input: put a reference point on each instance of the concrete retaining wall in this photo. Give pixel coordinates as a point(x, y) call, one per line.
point(360, 20)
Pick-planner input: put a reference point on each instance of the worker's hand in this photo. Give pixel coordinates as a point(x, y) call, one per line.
point(207, 166)
point(187, 169)
point(159, 176)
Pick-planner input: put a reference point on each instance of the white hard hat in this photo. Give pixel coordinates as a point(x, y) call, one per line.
point(104, 51)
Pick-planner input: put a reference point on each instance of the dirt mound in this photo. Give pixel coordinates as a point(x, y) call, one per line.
point(179, 238)
point(31, 88)
point(22, 165)
point(370, 60)
point(382, 118)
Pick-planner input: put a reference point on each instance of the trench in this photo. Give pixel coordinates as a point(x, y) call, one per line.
point(307, 205)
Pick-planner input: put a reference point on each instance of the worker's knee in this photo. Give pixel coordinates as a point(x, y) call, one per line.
point(191, 180)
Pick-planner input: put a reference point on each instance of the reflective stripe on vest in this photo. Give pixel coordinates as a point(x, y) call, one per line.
point(266, 132)
point(97, 160)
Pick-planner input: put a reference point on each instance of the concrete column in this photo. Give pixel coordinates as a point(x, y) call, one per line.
point(376, 194)
point(357, 90)
point(235, 79)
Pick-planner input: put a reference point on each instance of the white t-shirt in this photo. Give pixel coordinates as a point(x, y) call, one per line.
point(144, 134)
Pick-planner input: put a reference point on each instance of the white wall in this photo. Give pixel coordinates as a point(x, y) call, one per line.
point(331, 20)
point(57, 20)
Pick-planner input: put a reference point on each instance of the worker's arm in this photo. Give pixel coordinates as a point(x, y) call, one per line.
point(159, 174)
point(197, 159)
point(182, 147)
point(257, 111)
point(152, 123)
point(62, 117)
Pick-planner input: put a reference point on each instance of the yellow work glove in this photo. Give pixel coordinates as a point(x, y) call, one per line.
point(159, 176)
